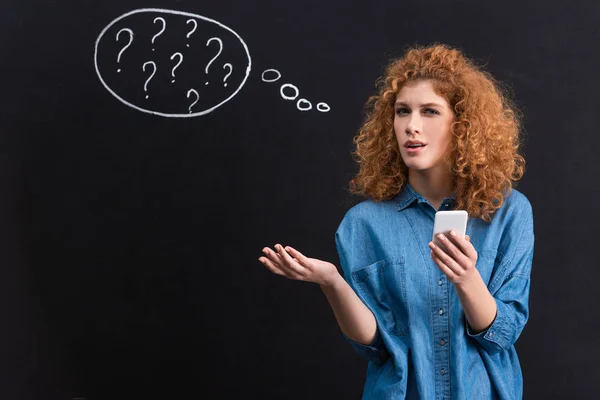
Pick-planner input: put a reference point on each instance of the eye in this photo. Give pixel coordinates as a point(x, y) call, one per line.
point(431, 111)
point(401, 111)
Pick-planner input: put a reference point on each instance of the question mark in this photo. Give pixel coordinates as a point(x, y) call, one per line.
point(193, 30)
point(151, 76)
point(175, 67)
point(164, 26)
point(126, 46)
point(197, 98)
point(215, 57)
point(230, 71)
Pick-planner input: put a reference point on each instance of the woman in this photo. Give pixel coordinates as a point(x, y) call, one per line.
point(436, 319)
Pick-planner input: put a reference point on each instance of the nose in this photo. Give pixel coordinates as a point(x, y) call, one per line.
point(414, 125)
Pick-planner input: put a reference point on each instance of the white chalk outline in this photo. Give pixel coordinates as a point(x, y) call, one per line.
point(176, 66)
point(160, 10)
point(128, 44)
point(151, 76)
point(164, 28)
point(230, 72)
point(321, 105)
point(215, 57)
point(304, 109)
point(192, 31)
point(197, 98)
point(285, 85)
point(270, 80)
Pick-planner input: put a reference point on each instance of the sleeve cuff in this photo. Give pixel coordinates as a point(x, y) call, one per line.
point(375, 352)
point(494, 339)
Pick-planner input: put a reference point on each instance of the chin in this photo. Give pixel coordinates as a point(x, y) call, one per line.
point(417, 166)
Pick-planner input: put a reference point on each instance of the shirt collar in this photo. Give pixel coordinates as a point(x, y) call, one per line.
point(408, 196)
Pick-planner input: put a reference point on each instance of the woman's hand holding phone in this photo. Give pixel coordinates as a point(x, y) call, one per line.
point(451, 249)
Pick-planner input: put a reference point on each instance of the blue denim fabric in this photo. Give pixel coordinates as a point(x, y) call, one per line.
point(424, 347)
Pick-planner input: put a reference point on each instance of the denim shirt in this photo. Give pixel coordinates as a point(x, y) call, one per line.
point(423, 346)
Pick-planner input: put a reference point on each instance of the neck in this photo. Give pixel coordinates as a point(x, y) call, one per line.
point(433, 185)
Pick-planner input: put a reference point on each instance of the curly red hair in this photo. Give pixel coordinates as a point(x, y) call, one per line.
point(486, 137)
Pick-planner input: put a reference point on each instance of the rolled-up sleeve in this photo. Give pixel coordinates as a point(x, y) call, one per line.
point(511, 292)
point(376, 351)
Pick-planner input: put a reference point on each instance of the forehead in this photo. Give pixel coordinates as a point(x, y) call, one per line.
point(419, 92)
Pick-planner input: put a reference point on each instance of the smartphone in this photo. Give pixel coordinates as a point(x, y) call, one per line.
point(455, 220)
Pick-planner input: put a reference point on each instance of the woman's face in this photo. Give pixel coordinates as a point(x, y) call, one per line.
point(420, 115)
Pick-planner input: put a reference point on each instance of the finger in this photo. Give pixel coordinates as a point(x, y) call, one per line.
point(275, 259)
point(443, 267)
point(273, 256)
point(298, 257)
point(452, 249)
point(288, 262)
point(282, 253)
point(271, 266)
point(464, 244)
point(447, 261)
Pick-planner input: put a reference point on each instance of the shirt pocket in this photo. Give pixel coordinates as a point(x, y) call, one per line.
point(382, 286)
point(486, 260)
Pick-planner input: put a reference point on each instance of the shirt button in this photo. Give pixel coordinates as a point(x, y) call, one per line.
point(440, 282)
point(441, 311)
point(442, 342)
point(491, 334)
point(442, 371)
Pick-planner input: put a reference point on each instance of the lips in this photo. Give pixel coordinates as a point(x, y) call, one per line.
point(413, 142)
point(414, 150)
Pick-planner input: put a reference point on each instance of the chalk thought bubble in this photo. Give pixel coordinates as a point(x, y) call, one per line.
point(171, 63)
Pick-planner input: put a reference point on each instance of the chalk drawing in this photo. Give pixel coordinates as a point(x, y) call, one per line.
point(176, 65)
point(233, 72)
point(164, 27)
point(151, 75)
point(193, 21)
point(301, 104)
point(126, 46)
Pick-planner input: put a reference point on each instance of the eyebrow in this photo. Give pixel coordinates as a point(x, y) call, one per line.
point(401, 103)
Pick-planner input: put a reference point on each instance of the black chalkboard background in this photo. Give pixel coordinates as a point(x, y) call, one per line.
point(130, 240)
